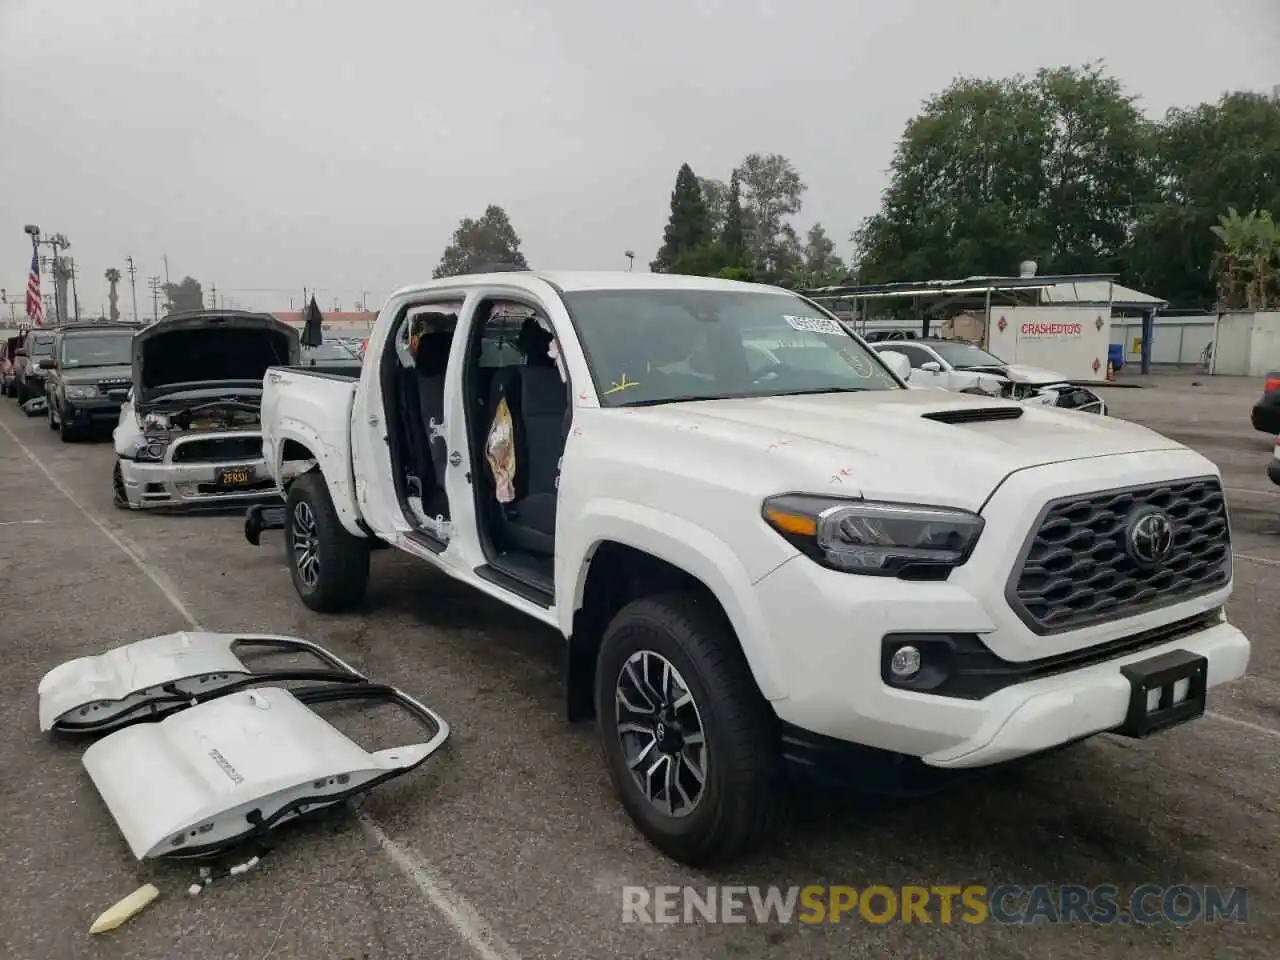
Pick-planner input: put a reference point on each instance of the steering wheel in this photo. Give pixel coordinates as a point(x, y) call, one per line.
point(773, 366)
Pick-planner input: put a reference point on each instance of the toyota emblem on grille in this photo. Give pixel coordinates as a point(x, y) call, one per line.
point(1150, 537)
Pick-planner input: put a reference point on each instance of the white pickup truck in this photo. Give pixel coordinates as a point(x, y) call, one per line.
point(766, 554)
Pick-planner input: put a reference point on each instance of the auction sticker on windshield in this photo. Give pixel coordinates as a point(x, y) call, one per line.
point(815, 325)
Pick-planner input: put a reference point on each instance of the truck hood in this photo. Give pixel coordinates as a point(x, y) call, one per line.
point(79, 375)
point(882, 444)
point(222, 349)
point(1021, 373)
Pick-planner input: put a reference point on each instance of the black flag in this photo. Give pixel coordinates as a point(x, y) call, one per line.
point(313, 328)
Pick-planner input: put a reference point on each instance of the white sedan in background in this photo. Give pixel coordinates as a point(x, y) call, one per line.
point(964, 367)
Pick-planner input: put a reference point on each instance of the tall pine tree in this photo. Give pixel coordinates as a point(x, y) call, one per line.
point(688, 228)
point(733, 238)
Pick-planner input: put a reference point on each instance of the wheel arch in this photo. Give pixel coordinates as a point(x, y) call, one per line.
point(298, 452)
point(617, 570)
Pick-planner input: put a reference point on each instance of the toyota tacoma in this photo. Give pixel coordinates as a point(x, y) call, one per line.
point(766, 554)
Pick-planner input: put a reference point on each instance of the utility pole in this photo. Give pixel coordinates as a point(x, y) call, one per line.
point(213, 296)
point(154, 283)
point(133, 287)
point(75, 294)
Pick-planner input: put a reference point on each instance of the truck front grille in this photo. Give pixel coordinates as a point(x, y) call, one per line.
point(1076, 568)
point(219, 449)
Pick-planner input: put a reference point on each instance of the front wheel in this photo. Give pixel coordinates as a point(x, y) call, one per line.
point(118, 496)
point(329, 566)
point(690, 744)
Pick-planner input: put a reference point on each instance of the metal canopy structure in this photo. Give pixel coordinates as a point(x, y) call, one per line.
point(932, 297)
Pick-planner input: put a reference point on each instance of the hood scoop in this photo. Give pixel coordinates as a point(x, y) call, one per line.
point(974, 414)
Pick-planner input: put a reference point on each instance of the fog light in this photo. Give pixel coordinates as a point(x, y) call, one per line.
point(905, 662)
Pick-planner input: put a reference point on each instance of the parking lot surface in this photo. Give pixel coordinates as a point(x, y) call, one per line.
point(510, 844)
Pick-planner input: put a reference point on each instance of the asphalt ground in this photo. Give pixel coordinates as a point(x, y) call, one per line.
point(510, 844)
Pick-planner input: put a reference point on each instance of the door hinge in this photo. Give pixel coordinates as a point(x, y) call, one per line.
point(442, 528)
point(435, 431)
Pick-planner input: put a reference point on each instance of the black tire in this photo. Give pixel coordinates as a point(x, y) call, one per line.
point(65, 433)
point(118, 496)
point(742, 793)
point(341, 571)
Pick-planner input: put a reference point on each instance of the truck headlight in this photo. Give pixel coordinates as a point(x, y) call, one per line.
point(903, 540)
point(82, 392)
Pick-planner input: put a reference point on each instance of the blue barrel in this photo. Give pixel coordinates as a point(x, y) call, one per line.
point(1115, 355)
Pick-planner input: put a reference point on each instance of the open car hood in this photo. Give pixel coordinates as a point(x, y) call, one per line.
point(214, 349)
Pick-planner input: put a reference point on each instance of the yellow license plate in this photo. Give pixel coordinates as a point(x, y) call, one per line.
point(235, 477)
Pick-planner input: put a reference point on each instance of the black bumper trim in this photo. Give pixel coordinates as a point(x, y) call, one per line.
point(973, 672)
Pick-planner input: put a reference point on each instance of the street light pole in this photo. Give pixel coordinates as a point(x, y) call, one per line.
point(631, 259)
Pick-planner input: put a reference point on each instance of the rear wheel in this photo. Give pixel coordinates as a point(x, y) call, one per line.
point(330, 567)
point(690, 744)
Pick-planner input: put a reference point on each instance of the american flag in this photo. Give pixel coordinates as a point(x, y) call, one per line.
point(35, 306)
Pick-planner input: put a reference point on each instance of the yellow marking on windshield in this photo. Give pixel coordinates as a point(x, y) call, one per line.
point(622, 383)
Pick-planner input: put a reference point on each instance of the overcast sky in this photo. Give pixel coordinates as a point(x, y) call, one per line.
point(267, 145)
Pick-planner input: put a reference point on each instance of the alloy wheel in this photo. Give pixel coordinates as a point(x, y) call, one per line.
point(306, 556)
point(661, 731)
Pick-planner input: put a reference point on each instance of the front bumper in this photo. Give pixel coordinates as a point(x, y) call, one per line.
point(194, 483)
point(1053, 689)
point(92, 412)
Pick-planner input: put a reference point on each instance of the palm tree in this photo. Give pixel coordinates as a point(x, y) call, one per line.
point(1248, 265)
point(113, 278)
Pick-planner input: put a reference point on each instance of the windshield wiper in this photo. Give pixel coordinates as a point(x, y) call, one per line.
point(813, 390)
point(655, 401)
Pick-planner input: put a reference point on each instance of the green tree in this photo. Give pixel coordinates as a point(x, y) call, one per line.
point(1206, 160)
point(715, 197)
point(113, 278)
point(1247, 266)
point(180, 297)
point(733, 236)
point(687, 228)
point(771, 191)
point(821, 265)
point(478, 245)
point(992, 172)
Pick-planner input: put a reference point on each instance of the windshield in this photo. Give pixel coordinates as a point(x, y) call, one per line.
point(109, 349)
point(329, 350)
point(662, 346)
point(40, 348)
point(965, 355)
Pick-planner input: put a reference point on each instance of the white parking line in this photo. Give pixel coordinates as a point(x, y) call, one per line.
point(465, 920)
point(1255, 727)
point(1253, 493)
point(1267, 560)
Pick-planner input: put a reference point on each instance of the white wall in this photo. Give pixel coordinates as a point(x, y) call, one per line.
point(1264, 344)
point(1072, 341)
point(1232, 346)
point(1180, 340)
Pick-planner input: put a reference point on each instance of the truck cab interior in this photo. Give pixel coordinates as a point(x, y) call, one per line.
point(518, 421)
point(413, 376)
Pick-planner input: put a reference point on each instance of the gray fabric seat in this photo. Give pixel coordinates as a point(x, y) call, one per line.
point(539, 417)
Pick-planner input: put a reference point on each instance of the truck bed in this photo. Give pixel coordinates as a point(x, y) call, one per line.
point(311, 407)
